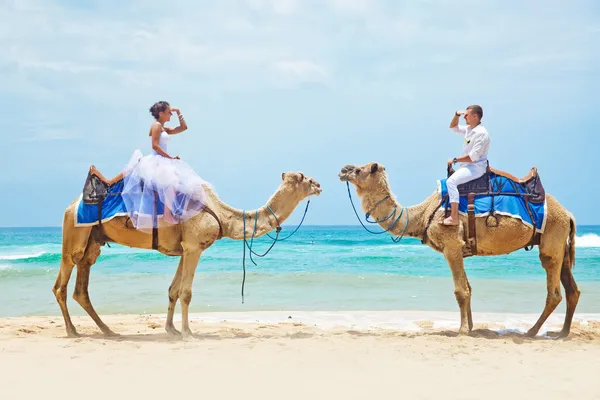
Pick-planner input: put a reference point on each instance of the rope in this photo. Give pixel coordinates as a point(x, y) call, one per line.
point(295, 230)
point(275, 239)
point(398, 238)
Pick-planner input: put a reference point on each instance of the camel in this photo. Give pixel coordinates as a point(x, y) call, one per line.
point(556, 244)
point(81, 244)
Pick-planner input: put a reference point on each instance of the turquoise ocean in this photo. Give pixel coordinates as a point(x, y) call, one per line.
point(321, 268)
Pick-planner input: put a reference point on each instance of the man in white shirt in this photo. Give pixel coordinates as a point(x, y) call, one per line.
point(473, 162)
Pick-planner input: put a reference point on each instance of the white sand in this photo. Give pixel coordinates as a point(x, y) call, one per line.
point(294, 360)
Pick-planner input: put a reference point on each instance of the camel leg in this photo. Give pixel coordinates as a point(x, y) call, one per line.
point(74, 244)
point(81, 294)
point(173, 297)
point(82, 297)
point(462, 289)
point(552, 265)
point(60, 292)
point(572, 294)
point(191, 257)
point(469, 313)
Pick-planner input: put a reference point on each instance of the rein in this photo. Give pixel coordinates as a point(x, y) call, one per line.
point(377, 221)
point(275, 239)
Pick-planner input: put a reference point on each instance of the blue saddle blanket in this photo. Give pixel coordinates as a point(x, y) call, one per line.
point(512, 206)
point(113, 206)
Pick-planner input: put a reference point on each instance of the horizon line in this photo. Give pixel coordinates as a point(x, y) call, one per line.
point(308, 225)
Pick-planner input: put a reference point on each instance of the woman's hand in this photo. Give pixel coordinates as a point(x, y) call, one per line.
point(176, 158)
point(175, 110)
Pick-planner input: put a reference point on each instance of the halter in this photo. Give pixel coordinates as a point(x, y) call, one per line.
point(275, 239)
point(368, 214)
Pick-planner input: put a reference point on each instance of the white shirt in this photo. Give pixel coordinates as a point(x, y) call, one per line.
point(477, 142)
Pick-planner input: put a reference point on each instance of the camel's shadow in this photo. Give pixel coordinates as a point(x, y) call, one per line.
point(164, 337)
point(489, 334)
point(169, 338)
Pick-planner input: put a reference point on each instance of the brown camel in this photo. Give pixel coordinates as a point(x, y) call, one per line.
point(556, 246)
point(81, 244)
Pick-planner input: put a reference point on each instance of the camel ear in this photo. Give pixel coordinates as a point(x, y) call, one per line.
point(374, 168)
point(283, 176)
point(301, 177)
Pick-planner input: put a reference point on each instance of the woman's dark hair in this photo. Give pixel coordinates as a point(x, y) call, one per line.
point(157, 108)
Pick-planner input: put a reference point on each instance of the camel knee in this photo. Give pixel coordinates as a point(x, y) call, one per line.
point(462, 296)
point(173, 292)
point(574, 296)
point(81, 297)
point(186, 296)
point(60, 292)
point(554, 297)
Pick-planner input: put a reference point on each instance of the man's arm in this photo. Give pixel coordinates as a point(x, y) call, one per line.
point(465, 158)
point(480, 142)
point(454, 127)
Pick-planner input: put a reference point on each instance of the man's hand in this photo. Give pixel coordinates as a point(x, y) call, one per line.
point(451, 161)
point(460, 112)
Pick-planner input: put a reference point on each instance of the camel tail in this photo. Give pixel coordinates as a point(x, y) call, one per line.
point(569, 260)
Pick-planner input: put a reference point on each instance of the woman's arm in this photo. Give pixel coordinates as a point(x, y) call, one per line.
point(182, 125)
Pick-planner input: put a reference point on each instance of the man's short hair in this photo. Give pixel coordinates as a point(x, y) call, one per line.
point(477, 110)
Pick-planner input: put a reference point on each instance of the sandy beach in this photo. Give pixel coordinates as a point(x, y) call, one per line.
point(232, 357)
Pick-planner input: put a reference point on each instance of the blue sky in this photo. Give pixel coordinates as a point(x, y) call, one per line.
point(278, 85)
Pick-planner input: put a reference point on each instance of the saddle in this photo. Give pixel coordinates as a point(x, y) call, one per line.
point(491, 184)
point(97, 188)
point(484, 185)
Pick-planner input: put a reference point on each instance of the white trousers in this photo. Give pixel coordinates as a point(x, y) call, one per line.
point(466, 173)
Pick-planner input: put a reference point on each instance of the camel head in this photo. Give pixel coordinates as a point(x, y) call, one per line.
point(369, 176)
point(304, 185)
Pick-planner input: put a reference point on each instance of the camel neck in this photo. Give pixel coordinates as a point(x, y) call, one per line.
point(239, 224)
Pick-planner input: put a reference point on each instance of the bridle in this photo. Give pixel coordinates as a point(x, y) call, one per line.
point(378, 221)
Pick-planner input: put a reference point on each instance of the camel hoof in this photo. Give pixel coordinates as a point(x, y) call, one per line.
point(171, 331)
point(557, 335)
point(187, 334)
point(73, 334)
point(531, 333)
point(463, 332)
point(110, 333)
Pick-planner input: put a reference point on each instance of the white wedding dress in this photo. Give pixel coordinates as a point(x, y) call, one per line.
point(154, 185)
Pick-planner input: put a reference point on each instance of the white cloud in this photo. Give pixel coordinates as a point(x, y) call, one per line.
point(47, 135)
point(360, 7)
point(283, 7)
point(55, 50)
point(303, 71)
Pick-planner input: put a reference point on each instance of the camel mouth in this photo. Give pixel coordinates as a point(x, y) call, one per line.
point(344, 174)
point(316, 192)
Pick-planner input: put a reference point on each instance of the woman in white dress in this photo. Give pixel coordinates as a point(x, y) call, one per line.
point(158, 183)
